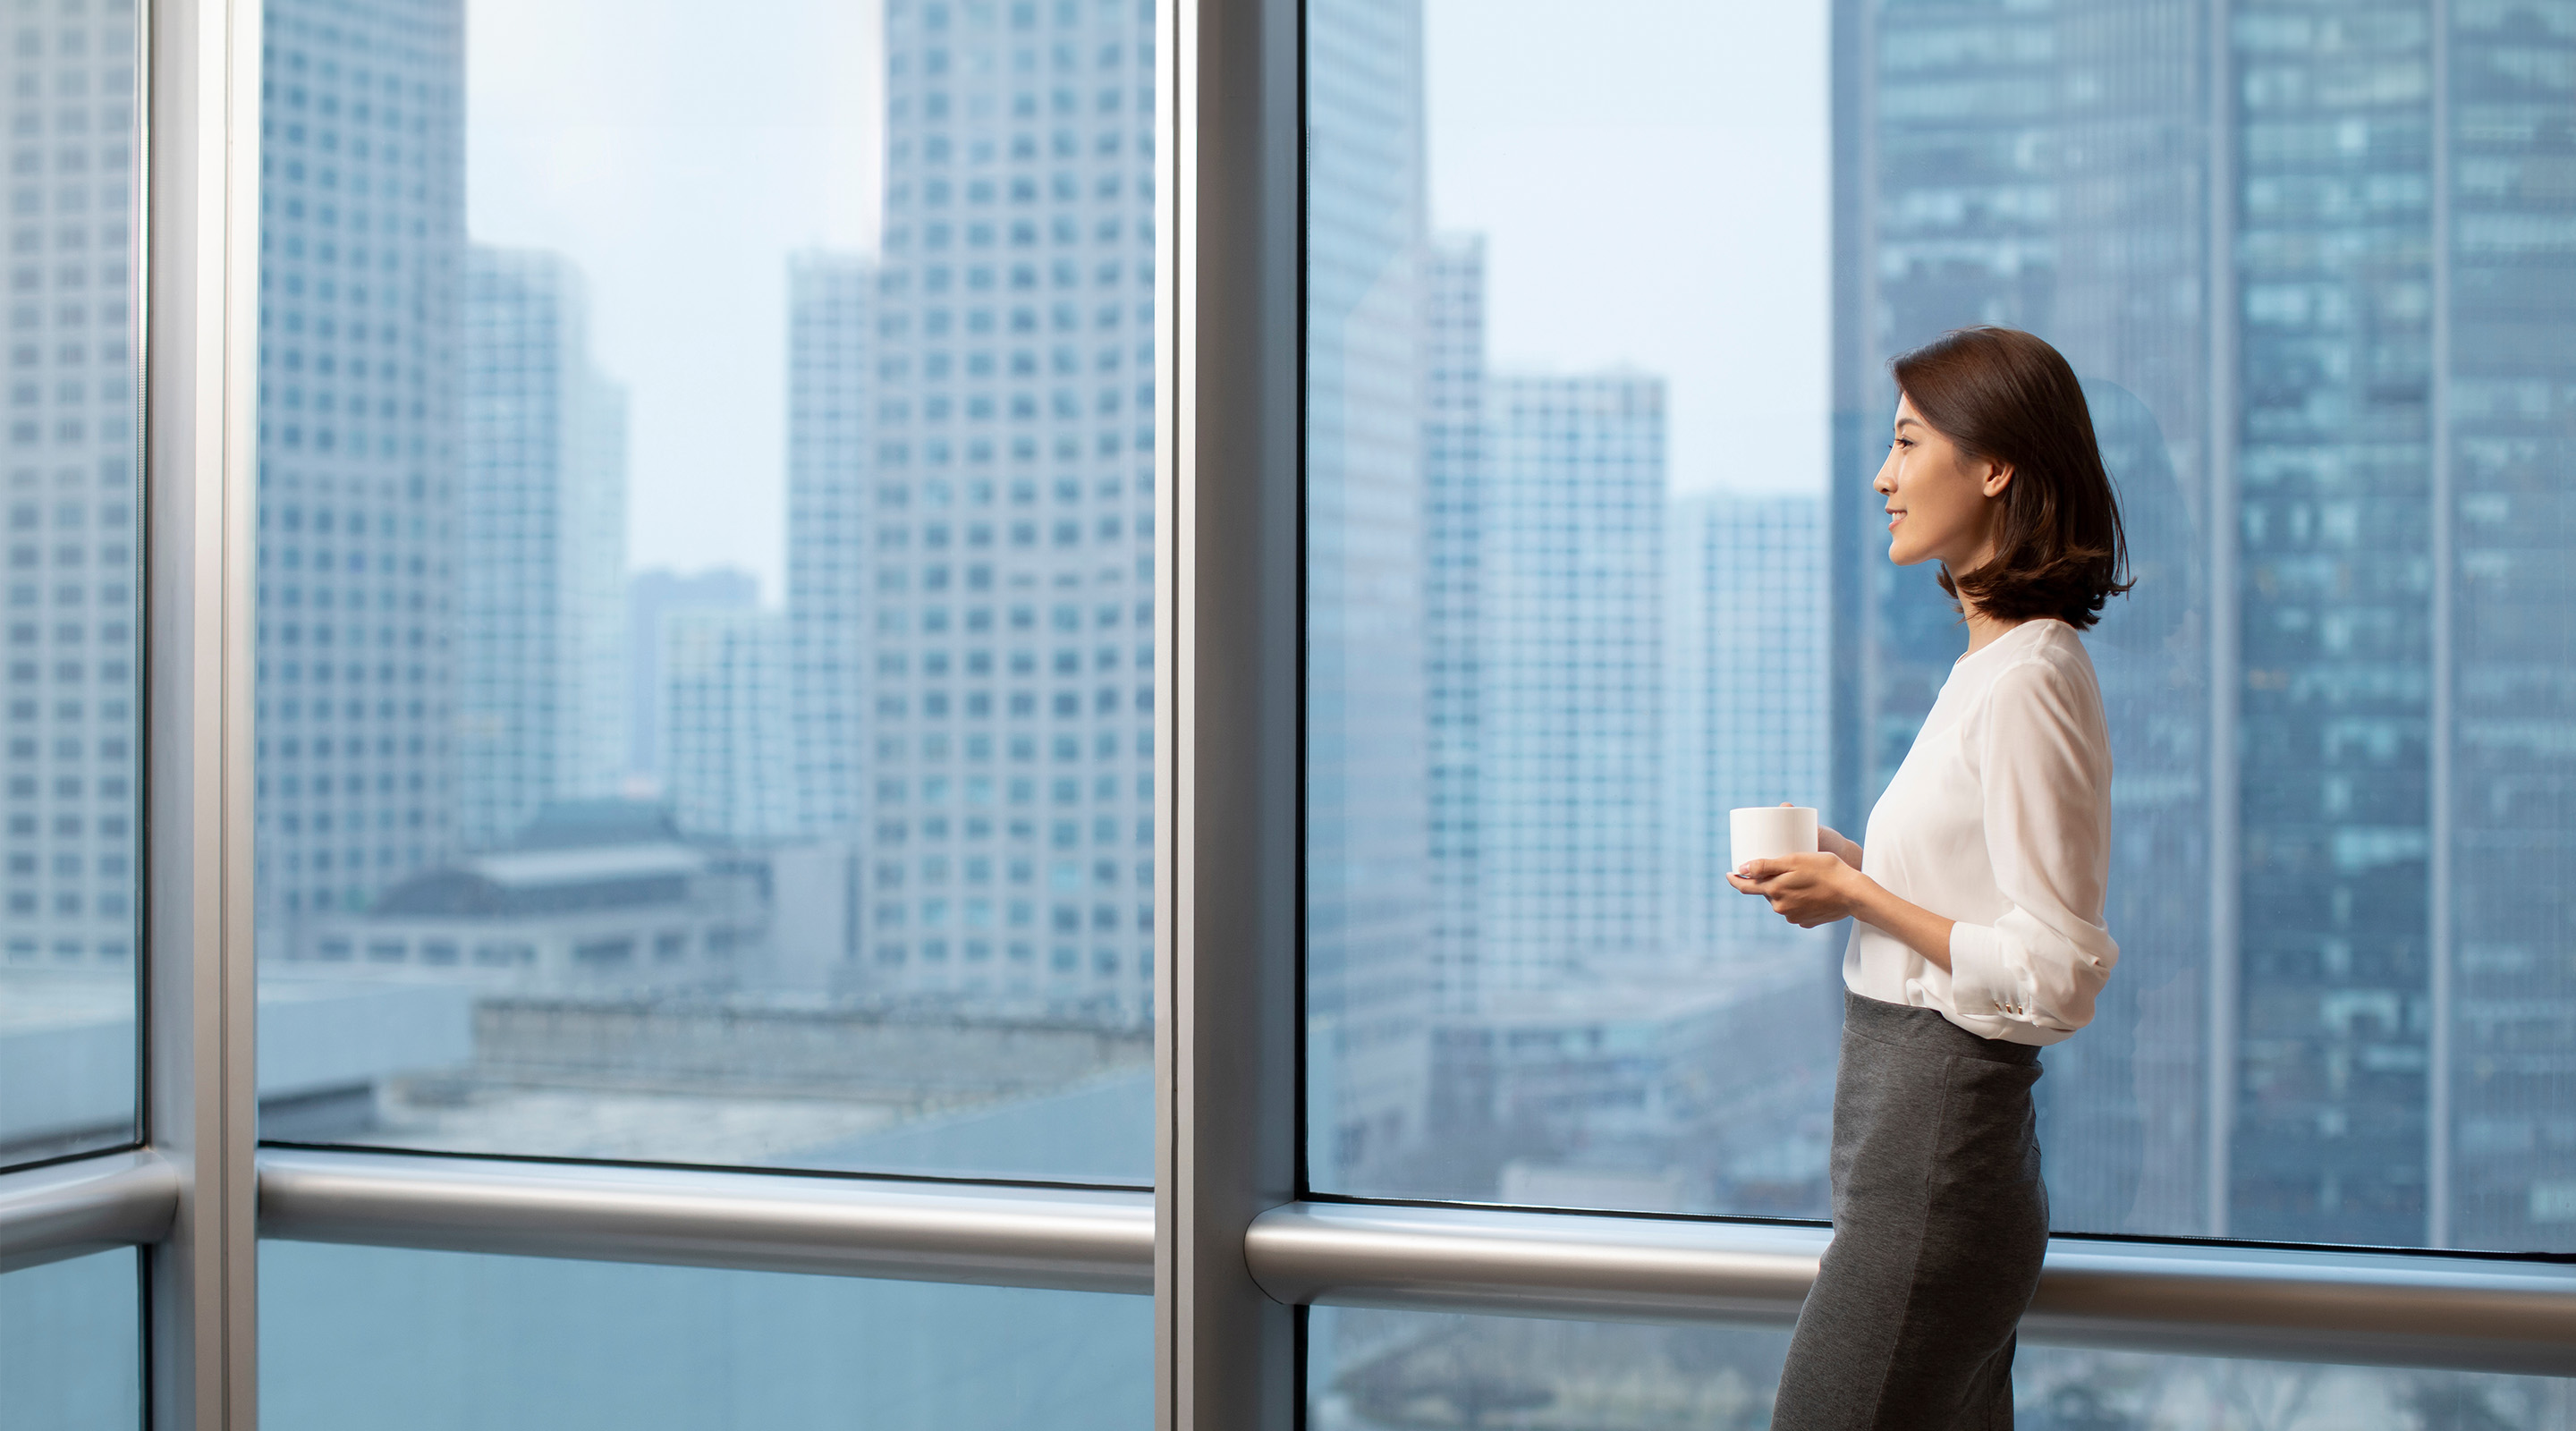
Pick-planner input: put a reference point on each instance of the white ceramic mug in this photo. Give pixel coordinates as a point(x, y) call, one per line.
point(1764, 832)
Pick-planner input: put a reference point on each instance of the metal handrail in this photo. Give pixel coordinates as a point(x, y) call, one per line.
point(776, 1222)
point(2367, 1308)
point(71, 1209)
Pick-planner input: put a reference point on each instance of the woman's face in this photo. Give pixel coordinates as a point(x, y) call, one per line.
point(1942, 505)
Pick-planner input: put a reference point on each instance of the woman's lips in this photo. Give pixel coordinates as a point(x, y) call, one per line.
point(1894, 516)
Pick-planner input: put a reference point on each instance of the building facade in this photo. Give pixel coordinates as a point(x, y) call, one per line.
point(68, 820)
point(362, 241)
point(541, 596)
point(1745, 710)
point(1002, 780)
point(2278, 252)
point(1569, 651)
point(652, 596)
point(728, 753)
point(830, 300)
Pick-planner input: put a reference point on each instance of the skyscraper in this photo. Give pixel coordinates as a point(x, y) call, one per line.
point(1005, 618)
point(651, 597)
point(362, 240)
point(830, 300)
point(1744, 694)
point(728, 757)
point(2280, 257)
point(72, 488)
point(1453, 455)
point(1368, 913)
point(1569, 650)
point(541, 609)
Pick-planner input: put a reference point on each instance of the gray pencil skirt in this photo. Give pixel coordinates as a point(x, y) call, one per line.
point(1940, 1222)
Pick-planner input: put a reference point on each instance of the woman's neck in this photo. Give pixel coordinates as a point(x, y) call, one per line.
point(1983, 630)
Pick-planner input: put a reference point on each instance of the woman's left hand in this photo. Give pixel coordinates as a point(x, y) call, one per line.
point(1806, 890)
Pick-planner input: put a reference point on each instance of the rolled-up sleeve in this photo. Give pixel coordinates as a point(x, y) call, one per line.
point(2044, 769)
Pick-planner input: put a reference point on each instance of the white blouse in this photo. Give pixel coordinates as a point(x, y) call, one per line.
point(2000, 819)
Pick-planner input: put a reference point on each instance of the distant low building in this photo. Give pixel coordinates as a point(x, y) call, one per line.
point(599, 897)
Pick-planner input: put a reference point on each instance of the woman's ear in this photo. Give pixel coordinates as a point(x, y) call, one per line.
point(1999, 475)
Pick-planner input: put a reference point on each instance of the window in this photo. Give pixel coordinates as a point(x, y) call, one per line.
point(74, 1352)
point(1594, 400)
point(687, 969)
point(588, 536)
point(431, 1341)
point(69, 786)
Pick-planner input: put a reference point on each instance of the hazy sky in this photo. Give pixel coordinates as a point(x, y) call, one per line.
point(1650, 176)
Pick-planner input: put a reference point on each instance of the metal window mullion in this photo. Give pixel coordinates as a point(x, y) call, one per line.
point(200, 69)
point(1227, 707)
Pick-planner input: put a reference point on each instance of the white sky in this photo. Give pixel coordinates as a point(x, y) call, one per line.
point(679, 152)
point(1650, 176)
point(1652, 180)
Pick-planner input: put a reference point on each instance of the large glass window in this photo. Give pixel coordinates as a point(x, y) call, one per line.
point(71, 1344)
point(69, 776)
point(439, 1341)
point(705, 582)
point(1408, 1371)
point(1600, 308)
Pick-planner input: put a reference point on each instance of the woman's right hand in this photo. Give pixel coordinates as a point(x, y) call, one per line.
point(1831, 841)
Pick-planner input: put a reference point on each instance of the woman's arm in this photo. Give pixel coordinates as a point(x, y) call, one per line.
point(1808, 890)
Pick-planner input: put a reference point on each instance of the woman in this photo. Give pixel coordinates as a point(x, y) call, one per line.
point(1977, 933)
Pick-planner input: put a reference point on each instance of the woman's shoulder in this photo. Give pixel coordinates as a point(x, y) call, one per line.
point(2048, 664)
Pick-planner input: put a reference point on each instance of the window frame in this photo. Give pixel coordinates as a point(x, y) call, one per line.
point(1227, 1243)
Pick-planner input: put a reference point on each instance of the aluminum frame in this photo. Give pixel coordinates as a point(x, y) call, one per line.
point(1229, 588)
point(200, 78)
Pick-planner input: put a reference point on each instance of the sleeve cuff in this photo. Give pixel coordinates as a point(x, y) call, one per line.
point(1980, 984)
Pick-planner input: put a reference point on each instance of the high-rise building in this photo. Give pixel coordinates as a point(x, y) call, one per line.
point(541, 605)
point(1569, 651)
point(2504, 812)
point(2301, 264)
point(830, 300)
point(361, 242)
point(1368, 914)
point(1745, 712)
point(72, 488)
point(728, 757)
point(650, 597)
point(1004, 619)
point(1453, 454)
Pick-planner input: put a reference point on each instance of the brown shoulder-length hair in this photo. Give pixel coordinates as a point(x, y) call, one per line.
point(2001, 394)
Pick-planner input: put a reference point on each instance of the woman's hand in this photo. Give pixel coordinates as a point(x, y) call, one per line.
point(1806, 890)
point(1833, 842)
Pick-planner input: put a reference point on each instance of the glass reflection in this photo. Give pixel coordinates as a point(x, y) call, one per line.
point(437, 1341)
point(1402, 1371)
point(705, 605)
point(71, 1344)
point(69, 802)
point(1600, 306)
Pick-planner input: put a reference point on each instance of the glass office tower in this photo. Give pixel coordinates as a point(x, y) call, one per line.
point(2277, 252)
point(542, 551)
point(362, 238)
point(1368, 917)
point(1004, 619)
point(70, 792)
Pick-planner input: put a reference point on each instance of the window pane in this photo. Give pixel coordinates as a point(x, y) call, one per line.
point(69, 802)
point(706, 623)
point(1405, 1371)
point(71, 1344)
point(440, 1341)
point(1601, 307)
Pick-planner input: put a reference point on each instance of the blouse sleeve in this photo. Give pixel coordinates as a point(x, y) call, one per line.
point(2044, 766)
